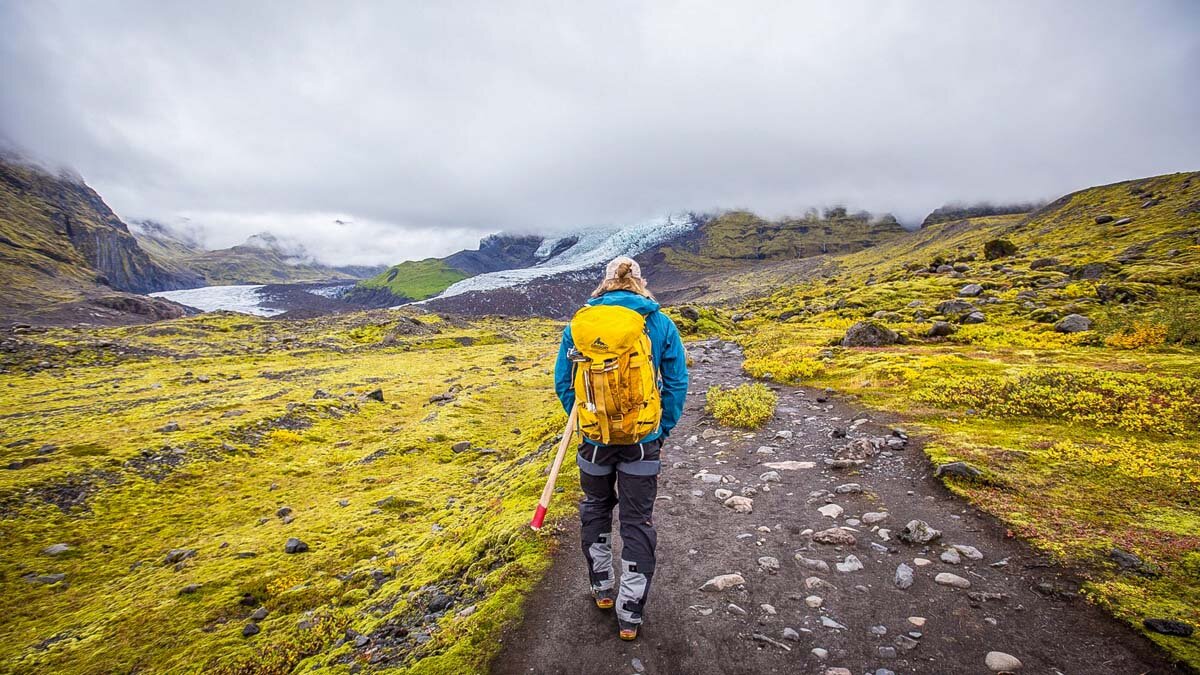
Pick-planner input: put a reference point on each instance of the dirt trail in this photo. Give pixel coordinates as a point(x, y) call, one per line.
point(1017, 603)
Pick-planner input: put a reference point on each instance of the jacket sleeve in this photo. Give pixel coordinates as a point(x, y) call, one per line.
point(563, 386)
point(673, 369)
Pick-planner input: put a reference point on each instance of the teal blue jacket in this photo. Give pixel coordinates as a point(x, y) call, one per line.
point(669, 359)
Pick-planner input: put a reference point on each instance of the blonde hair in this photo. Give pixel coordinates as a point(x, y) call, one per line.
point(625, 280)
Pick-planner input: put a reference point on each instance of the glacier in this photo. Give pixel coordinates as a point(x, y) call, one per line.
point(244, 299)
point(594, 248)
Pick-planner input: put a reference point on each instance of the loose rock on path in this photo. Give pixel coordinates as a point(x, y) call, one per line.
point(839, 589)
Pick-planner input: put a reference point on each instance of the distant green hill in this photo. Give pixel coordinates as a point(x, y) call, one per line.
point(413, 279)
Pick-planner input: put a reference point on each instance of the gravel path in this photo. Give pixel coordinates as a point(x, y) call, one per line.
point(805, 606)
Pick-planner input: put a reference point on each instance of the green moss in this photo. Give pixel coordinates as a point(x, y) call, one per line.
point(415, 279)
point(253, 438)
point(747, 406)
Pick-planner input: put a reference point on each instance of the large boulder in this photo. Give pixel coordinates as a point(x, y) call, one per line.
point(954, 307)
point(940, 329)
point(869, 334)
point(1073, 323)
point(999, 248)
point(973, 317)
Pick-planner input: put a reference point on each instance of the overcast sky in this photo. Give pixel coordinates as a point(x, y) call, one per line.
point(428, 124)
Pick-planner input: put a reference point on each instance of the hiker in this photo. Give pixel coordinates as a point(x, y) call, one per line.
point(628, 403)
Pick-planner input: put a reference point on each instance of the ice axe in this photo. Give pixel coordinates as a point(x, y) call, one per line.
point(539, 514)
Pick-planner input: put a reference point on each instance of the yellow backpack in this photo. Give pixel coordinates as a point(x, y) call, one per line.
point(616, 387)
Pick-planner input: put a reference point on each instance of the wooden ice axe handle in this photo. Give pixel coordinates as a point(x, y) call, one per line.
point(539, 514)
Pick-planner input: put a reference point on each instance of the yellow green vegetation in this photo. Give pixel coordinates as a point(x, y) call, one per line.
point(746, 406)
point(176, 460)
point(1089, 441)
point(415, 279)
point(732, 239)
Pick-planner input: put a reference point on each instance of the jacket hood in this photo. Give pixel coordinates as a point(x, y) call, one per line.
point(638, 303)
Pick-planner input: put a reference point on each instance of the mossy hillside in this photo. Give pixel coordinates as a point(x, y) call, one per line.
point(733, 239)
point(1088, 441)
point(35, 253)
point(415, 279)
point(419, 518)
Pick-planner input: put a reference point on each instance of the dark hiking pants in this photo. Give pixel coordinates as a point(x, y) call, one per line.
point(624, 476)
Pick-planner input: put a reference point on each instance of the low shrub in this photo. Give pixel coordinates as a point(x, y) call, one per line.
point(748, 406)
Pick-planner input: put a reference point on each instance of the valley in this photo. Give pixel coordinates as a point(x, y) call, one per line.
point(341, 487)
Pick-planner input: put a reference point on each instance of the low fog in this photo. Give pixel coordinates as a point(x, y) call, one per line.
point(423, 126)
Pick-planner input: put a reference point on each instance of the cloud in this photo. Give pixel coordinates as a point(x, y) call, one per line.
point(439, 122)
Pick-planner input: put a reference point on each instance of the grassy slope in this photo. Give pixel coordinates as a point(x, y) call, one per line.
point(35, 253)
point(1085, 445)
point(733, 239)
point(249, 265)
point(254, 439)
point(415, 279)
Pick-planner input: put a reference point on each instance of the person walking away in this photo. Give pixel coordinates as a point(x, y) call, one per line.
point(622, 362)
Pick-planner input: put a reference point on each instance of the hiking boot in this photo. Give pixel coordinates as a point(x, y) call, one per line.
point(629, 631)
point(605, 599)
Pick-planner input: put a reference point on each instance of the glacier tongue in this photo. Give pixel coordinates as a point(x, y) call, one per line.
point(595, 247)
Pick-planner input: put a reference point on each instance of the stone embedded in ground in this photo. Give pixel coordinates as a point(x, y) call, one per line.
point(722, 582)
point(948, 579)
point(999, 662)
point(917, 621)
point(960, 469)
point(851, 564)
point(178, 555)
point(820, 653)
point(740, 504)
point(1073, 323)
point(189, 589)
point(812, 563)
point(283, 511)
point(974, 317)
point(815, 583)
point(951, 557)
point(834, 536)
point(830, 510)
point(838, 671)
point(873, 517)
point(814, 601)
point(857, 449)
point(940, 329)
point(769, 477)
point(376, 395)
point(790, 465)
point(769, 564)
point(735, 609)
point(722, 494)
point(1169, 627)
point(918, 532)
point(869, 334)
point(848, 488)
point(968, 552)
point(251, 629)
point(56, 549)
point(461, 446)
point(294, 545)
point(970, 290)
point(791, 634)
point(259, 614)
point(904, 576)
point(830, 623)
point(768, 609)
